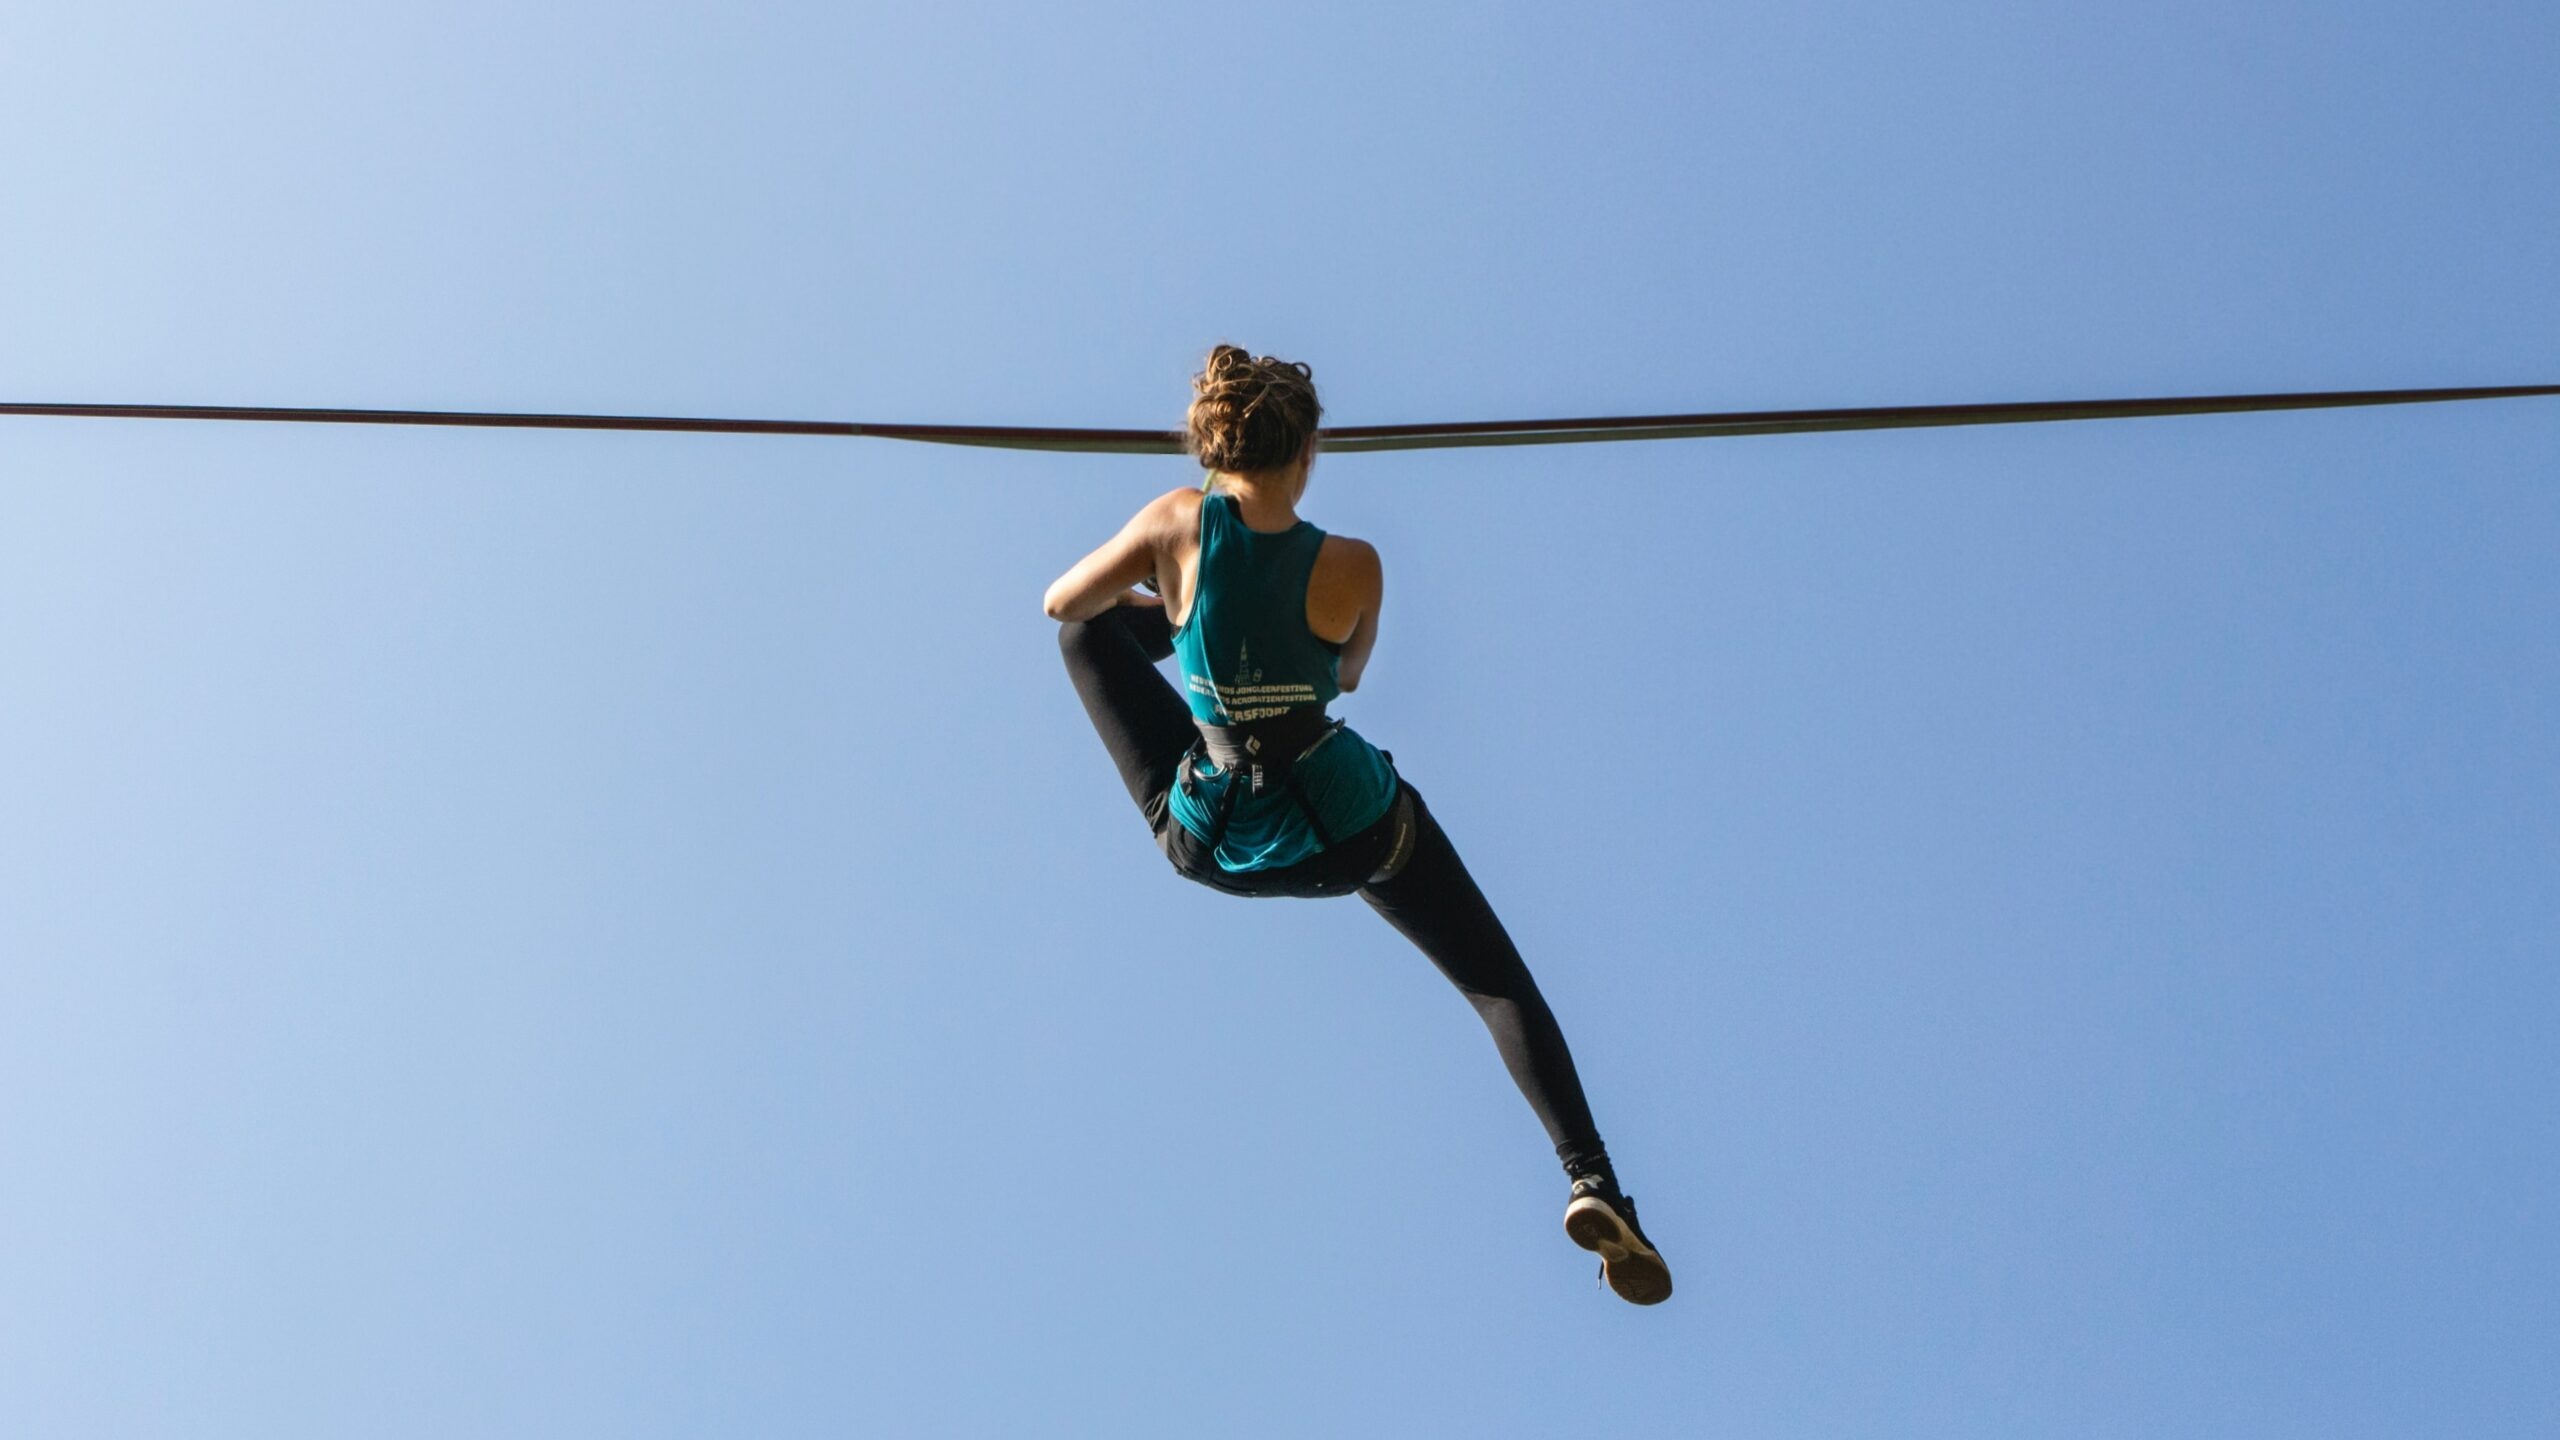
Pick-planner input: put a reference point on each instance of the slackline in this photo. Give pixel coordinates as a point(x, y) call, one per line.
point(1350, 439)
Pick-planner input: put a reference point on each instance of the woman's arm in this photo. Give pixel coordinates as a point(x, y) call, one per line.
point(1099, 581)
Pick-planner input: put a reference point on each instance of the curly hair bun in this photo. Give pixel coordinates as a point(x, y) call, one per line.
point(1251, 413)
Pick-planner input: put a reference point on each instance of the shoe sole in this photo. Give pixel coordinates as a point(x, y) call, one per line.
point(1635, 1269)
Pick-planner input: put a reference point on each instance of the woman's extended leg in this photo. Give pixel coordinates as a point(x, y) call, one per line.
point(1437, 905)
point(1435, 902)
point(1143, 723)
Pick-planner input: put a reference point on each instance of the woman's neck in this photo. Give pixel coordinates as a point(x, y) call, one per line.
point(1265, 505)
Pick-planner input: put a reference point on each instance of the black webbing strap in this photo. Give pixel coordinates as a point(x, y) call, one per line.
point(1226, 807)
point(1298, 792)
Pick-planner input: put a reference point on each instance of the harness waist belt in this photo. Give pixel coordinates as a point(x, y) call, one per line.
point(1266, 751)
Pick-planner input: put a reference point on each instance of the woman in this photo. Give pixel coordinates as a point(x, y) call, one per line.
point(1251, 789)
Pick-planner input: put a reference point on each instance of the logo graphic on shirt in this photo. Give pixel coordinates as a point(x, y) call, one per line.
point(1246, 697)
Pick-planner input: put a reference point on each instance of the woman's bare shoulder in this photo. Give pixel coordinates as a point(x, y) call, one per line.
point(1174, 511)
point(1350, 561)
point(1350, 549)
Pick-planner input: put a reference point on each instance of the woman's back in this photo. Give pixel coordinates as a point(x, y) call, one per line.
point(1249, 654)
point(1343, 584)
point(1247, 649)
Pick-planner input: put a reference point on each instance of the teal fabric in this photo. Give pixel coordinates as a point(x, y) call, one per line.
point(1246, 654)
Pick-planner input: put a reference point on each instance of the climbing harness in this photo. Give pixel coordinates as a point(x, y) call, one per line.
point(1260, 755)
point(1264, 755)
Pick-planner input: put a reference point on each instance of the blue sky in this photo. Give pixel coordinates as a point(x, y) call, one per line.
point(513, 934)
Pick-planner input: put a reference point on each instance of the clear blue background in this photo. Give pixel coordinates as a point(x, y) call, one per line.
point(521, 934)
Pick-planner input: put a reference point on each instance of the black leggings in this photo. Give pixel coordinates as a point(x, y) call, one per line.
point(1431, 899)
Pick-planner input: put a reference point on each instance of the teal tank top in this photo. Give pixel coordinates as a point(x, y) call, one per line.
point(1246, 654)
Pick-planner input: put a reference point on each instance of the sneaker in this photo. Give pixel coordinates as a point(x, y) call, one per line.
point(1601, 1220)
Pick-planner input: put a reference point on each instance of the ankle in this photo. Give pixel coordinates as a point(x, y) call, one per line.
point(1588, 1168)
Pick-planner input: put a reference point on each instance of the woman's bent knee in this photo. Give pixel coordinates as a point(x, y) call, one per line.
point(1077, 637)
